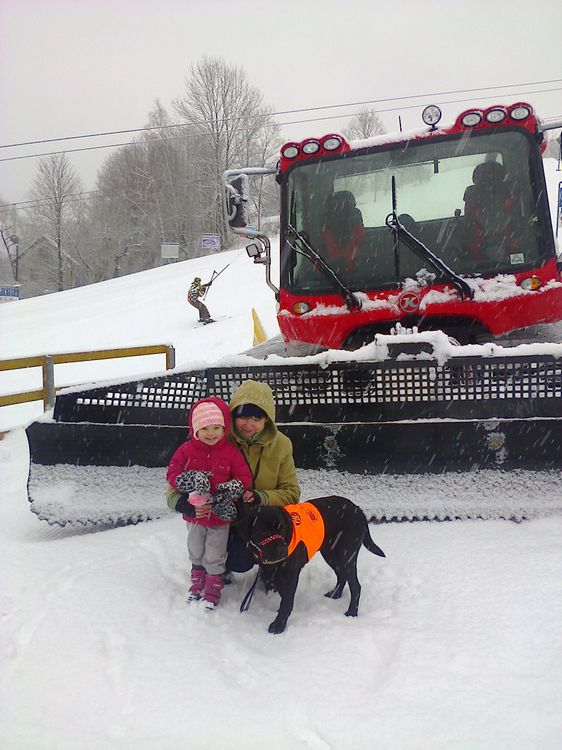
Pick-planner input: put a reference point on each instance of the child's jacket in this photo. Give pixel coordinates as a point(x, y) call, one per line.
point(224, 460)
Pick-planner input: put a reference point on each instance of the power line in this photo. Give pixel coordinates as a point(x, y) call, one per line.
point(37, 201)
point(289, 111)
point(283, 124)
point(21, 205)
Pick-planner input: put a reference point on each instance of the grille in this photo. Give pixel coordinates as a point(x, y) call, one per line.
point(468, 388)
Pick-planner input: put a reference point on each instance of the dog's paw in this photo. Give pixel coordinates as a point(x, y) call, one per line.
point(351, 612)
point(277, 626)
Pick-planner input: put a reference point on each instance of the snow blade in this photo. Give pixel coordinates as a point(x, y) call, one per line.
point(105, 497)
point(390, 428)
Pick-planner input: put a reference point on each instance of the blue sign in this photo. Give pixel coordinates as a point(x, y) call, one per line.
point(9, 293)
point(211, 241)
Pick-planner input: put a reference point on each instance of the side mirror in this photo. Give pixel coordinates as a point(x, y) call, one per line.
point(259, 251)
point(236, 202)
point(254, 250)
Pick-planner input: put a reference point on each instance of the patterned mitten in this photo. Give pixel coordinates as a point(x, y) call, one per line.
point(224, 508)
point(194, 481)
point(233, 489)
point(224, 499)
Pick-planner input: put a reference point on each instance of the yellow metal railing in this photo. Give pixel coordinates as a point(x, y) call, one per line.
point(48, 361)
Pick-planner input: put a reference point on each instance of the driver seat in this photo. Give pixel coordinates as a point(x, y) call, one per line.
point(342, 229)
point(490, 211)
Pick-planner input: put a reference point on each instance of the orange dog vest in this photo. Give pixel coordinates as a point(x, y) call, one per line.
point(308, 527)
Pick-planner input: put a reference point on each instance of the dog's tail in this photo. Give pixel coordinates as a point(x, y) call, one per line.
point(369, 544)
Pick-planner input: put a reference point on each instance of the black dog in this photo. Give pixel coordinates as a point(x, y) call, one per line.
point(273, 534)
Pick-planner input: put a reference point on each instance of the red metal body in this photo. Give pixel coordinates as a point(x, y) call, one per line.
point(330, 323)
point(499, 303)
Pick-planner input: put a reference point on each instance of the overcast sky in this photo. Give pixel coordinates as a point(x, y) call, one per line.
point(71, 67)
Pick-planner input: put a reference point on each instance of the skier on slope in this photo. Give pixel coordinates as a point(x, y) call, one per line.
point(196, 292)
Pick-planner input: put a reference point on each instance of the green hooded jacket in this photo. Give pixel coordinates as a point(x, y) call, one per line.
point(269, 454)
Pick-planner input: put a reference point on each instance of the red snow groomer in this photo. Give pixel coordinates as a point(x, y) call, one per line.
point(443, 229)
point(446, 228)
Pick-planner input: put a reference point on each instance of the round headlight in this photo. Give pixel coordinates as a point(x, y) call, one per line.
point(531, 284)
point(332, 142)
point(471, 119)
point(299, 308)
point(495, 115)
point(290, 151)
point(431, 115)
point(520, 113)
point(310, 147)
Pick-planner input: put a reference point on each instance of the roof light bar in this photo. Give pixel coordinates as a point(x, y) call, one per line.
point(520, 112)
point(471, 119)
point(290, 151)
point(495, 115)
point(332, 142)
point(310, 147)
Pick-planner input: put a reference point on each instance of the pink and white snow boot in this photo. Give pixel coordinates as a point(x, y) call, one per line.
point(213, 589)
point(198, 576)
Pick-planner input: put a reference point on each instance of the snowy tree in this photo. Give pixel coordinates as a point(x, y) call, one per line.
point(9, 249)
point(553, 144)
point(365, 124)
point(54, 188)
point(123, 214)
point(261, 151)
point(226, 114)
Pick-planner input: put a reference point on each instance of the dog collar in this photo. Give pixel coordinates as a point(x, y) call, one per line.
point(267, 540)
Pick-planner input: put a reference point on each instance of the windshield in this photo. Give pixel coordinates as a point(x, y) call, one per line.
point(469, 199)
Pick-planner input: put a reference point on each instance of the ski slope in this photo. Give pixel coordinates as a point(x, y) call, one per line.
point(137, 310)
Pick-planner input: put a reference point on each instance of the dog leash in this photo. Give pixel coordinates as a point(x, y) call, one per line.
point(245, 606)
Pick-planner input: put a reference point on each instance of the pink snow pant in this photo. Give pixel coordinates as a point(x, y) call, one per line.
point(206, 546)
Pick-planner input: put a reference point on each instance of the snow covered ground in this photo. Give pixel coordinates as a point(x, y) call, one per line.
point(458, 641)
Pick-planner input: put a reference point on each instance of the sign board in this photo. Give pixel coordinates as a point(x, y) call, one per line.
point(210, 242)
point(170, 250)
point(9, 293)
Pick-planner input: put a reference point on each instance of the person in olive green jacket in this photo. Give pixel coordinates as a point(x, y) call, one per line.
point(269, 454)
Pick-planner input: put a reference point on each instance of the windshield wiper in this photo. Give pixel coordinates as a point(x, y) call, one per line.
point(300, 244)
point(400, 231)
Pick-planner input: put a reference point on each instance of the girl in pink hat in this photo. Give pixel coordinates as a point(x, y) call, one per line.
point(206, 477)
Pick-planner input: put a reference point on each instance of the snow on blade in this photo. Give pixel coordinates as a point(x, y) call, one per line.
point(91, 495)
point(114, 496)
